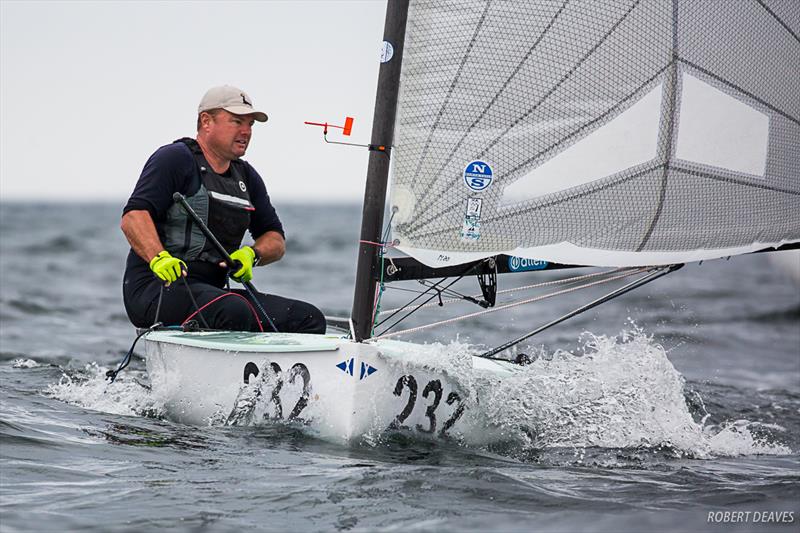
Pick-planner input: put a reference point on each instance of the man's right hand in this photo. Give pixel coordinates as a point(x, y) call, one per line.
point(167, 268)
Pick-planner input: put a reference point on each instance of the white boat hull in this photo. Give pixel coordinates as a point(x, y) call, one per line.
point(338, 389)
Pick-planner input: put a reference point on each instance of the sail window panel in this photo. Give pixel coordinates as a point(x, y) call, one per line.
point(716, 129)
point(743, 44)
point(628, 140)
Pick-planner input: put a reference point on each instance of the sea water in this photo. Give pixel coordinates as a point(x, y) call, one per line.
point(673, 408)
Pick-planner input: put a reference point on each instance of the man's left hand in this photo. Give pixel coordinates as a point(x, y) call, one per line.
point(246, 256)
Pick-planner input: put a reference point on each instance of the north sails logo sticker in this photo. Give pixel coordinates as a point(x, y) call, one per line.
point(478, 175)
point(242, 186)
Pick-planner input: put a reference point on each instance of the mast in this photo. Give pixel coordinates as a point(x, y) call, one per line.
point(378, 170)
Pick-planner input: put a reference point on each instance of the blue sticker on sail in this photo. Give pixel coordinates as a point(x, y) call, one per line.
point(478, 175)
point(523, 264)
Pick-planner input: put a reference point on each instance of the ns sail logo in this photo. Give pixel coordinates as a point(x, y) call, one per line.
point(478, 175)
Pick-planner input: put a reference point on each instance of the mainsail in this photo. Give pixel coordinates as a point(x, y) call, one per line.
point(607, 133)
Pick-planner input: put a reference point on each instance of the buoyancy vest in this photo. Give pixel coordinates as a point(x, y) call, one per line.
point(222, 203)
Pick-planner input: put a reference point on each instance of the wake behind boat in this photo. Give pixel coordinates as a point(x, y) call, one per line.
point(525, 137)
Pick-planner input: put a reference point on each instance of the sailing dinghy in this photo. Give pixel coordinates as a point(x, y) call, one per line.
point(636, 135)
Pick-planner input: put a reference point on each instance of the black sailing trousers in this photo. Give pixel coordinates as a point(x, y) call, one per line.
point(220, 308)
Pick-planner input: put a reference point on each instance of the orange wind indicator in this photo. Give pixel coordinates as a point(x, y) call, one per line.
point(348, 125)
point(346, 130)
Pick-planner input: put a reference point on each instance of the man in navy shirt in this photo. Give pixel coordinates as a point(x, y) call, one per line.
point(173, 275)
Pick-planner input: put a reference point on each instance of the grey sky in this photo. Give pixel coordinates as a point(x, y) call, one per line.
point(91, 89)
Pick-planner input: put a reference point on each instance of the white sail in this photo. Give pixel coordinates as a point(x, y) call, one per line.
point(608, 133)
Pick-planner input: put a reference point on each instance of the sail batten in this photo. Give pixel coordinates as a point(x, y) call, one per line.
point(655, 132)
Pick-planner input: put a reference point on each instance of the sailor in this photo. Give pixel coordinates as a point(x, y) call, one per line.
point(173, 274)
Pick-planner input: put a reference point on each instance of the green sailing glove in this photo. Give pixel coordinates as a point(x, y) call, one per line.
point(246, 256)
point(166, 267)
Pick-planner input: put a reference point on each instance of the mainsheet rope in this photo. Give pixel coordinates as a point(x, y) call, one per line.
point(622, 275)
point(504, 291)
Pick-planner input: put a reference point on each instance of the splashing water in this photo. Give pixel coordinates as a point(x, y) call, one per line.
point(89, 388)
point(611, 392)
point(25, 363)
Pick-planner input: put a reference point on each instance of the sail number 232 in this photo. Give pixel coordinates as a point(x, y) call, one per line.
point(433, 392)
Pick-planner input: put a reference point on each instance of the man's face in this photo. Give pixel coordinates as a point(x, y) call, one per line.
point(229, 134)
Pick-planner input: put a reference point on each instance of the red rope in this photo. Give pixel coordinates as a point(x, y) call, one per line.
point(221, 296)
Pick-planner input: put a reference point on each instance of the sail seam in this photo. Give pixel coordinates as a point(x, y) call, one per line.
point(668, 145)
point(735, 181)
point(766, 104)
point(782, 23)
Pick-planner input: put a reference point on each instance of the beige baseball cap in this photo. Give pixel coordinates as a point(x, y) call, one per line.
point(230, 99)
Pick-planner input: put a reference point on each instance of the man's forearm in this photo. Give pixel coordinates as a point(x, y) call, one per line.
point(141, 233)
point(270, 247)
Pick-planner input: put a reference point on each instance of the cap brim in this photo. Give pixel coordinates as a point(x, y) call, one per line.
point(244, 110)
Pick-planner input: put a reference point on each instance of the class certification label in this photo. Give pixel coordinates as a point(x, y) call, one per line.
point(471, 230)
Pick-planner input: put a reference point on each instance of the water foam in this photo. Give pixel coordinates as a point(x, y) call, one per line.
point(610, 392)
point(89, 388)
point(25, 363)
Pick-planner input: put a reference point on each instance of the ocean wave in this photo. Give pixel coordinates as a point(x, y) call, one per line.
point(57, 244)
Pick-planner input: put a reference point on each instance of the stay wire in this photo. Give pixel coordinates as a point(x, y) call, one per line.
point(448, 292)
point(569, 280)
point(437, 293)
point(623, 274)
point(381, 285)
point(420, 294)
point(434, 286)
